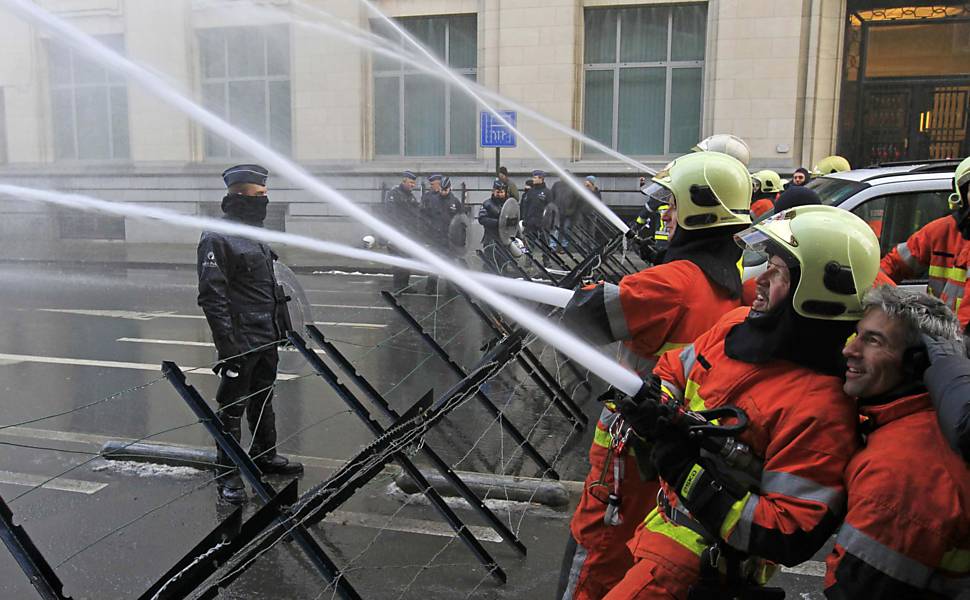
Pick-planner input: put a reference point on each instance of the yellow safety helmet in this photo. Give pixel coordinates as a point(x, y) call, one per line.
point(725, 143)
point(836, 251)
point(961, 185)
point(831, 164)
point(710, 189)
point(767, 181)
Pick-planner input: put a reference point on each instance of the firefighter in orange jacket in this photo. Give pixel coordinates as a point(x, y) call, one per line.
point(662, 307)
point(779, 363)
point(939, 249)
point(906, 533)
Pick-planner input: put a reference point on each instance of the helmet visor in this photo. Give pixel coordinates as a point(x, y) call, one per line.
point(657, 195)
point(753, 239)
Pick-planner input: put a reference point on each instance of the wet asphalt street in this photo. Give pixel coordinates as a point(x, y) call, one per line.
point(69, 338)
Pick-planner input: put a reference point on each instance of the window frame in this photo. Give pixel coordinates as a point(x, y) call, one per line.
point(404, 71)
point(668, 64)
point(109, 84)
point(266, 79)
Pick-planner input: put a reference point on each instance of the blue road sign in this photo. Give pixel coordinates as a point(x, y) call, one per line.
point(494, 134)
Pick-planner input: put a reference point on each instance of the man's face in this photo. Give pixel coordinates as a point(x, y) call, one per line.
point(589, 185)
point(798, 178)
point(408, 184)
point(669, 217)
point(875, 356)
point(249, 189)
point(536, 180)
point(771, 287)
point(436, 186)
point(503, 177)
point(499, 193)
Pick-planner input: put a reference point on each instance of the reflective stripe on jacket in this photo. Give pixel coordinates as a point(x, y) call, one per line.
point(907, 529)
point(653, 311)
point(938, 251)
point(801, 423)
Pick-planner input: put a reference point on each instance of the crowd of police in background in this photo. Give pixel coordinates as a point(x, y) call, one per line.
point(816, 398)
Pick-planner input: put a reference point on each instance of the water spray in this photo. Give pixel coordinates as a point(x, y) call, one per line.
point(535, 292)
point(570, 345)
point(378, 45)
point(462, 83)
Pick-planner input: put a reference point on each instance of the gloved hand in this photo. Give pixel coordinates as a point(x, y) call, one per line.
point(643, 410)
point(937, 348)
point(673, 454)
point(231, 367)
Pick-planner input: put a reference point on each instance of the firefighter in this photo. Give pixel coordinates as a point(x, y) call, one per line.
point(907, 527)
point(245, 308)
point(662, 307)
point(779, 363)
point(767, 188)
point(940, 250)
point(831, 164)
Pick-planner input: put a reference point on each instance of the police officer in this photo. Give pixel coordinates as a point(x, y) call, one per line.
point(246, 311)
point(404, 212)
point(438, 208)
point(488, 217)
point(534, 201)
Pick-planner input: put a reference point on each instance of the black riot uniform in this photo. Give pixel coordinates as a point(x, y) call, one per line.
point(488, 217)
point(246, 311)
point(404, 213)
point(437, 209)
point(534, 202)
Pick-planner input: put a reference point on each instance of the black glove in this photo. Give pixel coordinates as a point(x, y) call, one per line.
point(703, 491)
point(643, 410)
point(673, 453)
point(231, 367)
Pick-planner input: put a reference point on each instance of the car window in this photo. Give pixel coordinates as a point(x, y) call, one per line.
point(895, 217)
point(833, 191)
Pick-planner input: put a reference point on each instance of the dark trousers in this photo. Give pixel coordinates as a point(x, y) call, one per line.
point(255, 384)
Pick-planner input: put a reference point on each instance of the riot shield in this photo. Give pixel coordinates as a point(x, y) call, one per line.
point(508, 221)
point(458, 238)
point(550, 217)
point(300, 313)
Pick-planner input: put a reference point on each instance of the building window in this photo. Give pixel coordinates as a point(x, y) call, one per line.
point(643, 77)
point(246, 81)
point(89, 105)
point(416, 114)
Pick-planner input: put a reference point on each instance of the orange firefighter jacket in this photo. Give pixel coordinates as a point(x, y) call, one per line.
point(801, 424)
point(907, 530)
point(939, 251)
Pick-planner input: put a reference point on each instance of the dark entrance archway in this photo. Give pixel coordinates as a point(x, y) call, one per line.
point(906, 82)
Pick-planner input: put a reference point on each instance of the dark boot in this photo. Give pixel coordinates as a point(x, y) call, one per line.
point(231, 487)
point(278, 465)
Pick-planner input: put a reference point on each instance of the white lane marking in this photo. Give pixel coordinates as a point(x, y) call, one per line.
point(112, 364)
point(351, 306)
point(61, 484)
point(122, 314)
point(166, 342)
point(403, 525)
point(811, 568)
point(188, 343)
point(357, 325)
point(148, 316)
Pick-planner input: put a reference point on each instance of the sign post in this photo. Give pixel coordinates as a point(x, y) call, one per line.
point(496, 135)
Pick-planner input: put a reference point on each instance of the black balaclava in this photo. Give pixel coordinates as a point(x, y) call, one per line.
point(784, 334)
point(250, 210)
point(803, 171)
point(713, 250)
